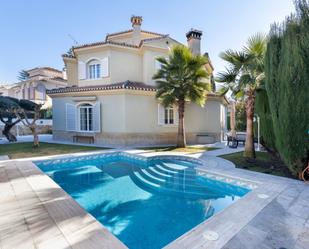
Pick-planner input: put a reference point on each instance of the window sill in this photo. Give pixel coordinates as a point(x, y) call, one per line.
point(168, 125)
point(95, 79)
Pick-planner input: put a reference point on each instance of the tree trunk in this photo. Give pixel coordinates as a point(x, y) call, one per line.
point(7, 132)
point(36, 142)
point(181, 137)
point(8, 125)
point(249, 146)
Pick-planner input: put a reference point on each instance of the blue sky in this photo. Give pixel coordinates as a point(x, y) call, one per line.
point(35, 33)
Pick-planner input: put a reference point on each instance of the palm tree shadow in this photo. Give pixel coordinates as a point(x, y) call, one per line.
point(152, 222)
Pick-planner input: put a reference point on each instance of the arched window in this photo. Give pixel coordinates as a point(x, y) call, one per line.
point(85, 117)
point(41, 92)
point(94, 69)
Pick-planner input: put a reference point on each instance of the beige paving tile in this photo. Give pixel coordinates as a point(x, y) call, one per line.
point(68, 216)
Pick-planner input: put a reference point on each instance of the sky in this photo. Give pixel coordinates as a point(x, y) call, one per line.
point(35, 33)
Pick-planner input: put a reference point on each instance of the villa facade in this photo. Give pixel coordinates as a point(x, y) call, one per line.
point(34, 87)
point(111, 94)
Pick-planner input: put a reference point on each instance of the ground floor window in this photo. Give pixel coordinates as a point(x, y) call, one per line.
point(86, 117)
point(169, 115)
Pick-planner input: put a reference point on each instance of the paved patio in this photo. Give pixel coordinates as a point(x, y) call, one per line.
point(36, 213)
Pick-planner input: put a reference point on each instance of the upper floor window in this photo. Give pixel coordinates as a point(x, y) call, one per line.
point(86, 117)
point(94, 69)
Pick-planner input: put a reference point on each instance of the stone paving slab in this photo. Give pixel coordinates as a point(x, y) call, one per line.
point(281, 228)
point(36, 213)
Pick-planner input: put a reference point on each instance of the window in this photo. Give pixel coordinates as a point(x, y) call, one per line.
point(28, 96)
point(169, 115)
point(94, 70)
point(41, 92)
point(86, 117)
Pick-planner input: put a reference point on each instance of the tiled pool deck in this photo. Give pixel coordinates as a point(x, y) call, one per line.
point(36, 213)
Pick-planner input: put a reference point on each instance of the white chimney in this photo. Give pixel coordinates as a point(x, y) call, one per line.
point(194, 41)
point(136, 24)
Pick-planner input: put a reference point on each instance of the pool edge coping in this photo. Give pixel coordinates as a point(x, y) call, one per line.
point(193, 235)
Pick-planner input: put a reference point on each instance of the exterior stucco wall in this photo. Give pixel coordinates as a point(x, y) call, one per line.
point(72, 76)
point(123, 65)
point(130, 119)
point(97, 54)
point(112, 112)
point(149, 65)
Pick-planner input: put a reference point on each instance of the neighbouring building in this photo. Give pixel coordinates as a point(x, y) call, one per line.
point(34, 88)
point(110, 97)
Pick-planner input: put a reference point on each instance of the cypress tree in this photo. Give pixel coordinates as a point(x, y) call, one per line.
point(287, 85)
point(268, 139)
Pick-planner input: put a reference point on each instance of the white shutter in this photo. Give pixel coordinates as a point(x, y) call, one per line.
point(160, 114)
point(105, 67)
point(176, 117)
point(97, 117)
point(81, 70)
point(70, 117)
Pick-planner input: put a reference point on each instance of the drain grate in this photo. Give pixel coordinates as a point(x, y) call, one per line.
point(211, 235)
point(263, 196)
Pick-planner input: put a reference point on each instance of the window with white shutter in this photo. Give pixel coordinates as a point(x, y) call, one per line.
point(160, 114)
point(70, 117)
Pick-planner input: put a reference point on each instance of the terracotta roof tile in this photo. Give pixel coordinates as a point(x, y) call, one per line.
point(121, 85)
point(132, 85)
point(103, 43)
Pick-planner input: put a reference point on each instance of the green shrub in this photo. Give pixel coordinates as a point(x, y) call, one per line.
point(268, 139)
point(287, 85)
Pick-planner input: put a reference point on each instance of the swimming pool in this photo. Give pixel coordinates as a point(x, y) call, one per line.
point(145, 202)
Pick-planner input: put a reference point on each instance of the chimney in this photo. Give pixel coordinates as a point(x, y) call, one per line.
point(136, 24)
point(194, 41)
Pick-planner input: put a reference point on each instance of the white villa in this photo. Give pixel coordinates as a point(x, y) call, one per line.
point(110, 98)
point(34, 88)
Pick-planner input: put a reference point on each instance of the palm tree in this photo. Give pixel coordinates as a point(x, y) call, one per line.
point(182, 78)
point(243, 76)
point(23, 75)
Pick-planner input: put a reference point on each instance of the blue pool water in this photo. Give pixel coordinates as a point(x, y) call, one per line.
point(146, 204)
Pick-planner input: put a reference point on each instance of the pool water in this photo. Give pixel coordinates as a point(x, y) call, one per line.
point(146, 204)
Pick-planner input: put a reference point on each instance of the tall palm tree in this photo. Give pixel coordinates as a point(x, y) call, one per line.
point(243, 76)
point(182, 78)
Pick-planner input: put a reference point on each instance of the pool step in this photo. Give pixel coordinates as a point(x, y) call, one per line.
point(145, 180)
